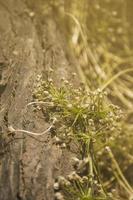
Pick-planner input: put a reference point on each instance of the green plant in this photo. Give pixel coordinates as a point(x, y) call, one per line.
point(86, 118)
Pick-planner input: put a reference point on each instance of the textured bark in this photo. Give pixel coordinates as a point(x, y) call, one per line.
point(28, 46)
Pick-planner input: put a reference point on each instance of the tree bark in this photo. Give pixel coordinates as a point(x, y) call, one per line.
point(30, 43)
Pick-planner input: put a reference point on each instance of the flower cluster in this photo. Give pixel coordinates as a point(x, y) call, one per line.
point(86, 118)
point(80, 114)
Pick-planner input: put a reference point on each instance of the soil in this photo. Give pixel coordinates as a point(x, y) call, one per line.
point(30, 42)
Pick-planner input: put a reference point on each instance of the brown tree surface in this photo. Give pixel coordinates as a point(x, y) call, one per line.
point(30, 43)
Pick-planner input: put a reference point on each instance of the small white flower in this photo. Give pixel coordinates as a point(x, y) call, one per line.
point(59, 196)
point(56, 186)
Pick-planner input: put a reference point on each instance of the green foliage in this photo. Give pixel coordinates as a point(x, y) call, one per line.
point(86, 118)
point(82, 114)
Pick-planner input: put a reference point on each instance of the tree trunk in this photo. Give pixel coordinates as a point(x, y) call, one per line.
point(30, 43)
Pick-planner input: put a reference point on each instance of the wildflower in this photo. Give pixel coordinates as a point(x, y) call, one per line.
point(69, 106)
point(74, 176)
point(56, 186)
point(50, 80)
point(46, 93)
point(61, 180)
point(57, 140)
point(63, 145)
point(66, 82)
point(59, 196)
